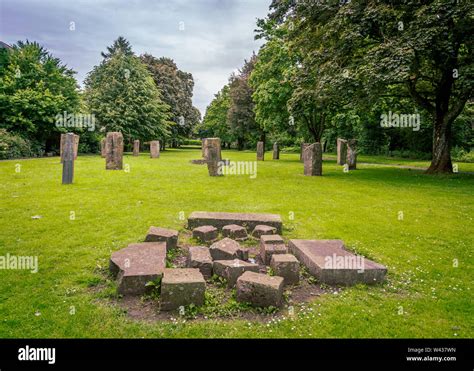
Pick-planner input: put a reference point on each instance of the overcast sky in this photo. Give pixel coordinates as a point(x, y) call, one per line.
point(209, 38)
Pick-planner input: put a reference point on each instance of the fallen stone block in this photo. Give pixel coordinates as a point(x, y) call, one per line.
point(136, 265)
point(286, 266)
point(271, 246)
point(261, 230)
point(234, 231)
point(199, 257)
point(233, 269)
point(228, 249)
point(220, 220)
point(260, 290)
point(156, 234)
point(182, 287)
point(331, 263)
point(206, 233)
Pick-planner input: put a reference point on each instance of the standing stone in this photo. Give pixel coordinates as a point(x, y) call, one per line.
point(260, 151)
point(352, 154)
point(341, 151)
point(62, 144)
point(303, 147)
point(136, 147)
point(155, 149)
point(213, 153)
point(102, 148)
point(114, 151)
point(76, 145)
point(204, 148)
point(68, 158)
point(276, 151)
point(313, 160)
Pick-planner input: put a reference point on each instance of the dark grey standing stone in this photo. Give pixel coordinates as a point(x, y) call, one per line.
point(182, 287)
point(114, 151)
point(68, 159)
point(233, 269)
point(260, 290)
point(199, 257)
point(286, 266)
point(155, 149)
point(352, 154)
point(169, 236)
point(276, 151)
point(260, 151)
point(341, 151)
point(214, 158)
point(313, 160)
point(136, 147)
point(63, 142)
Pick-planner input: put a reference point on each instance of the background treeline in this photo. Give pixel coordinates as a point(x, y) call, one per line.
point(330, 69)
point(144, 97)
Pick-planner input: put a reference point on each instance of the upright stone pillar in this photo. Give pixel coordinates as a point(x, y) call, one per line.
point(68, 158)
point(341, 151)
point(352, 154)
point(313, 160)
point(102, 148)
point(76, 145)
point(213, 153)
point(276, 151)
point(136, 147)
point(303, 147)
point(63, 142)
point(204, 148)
point(114, 151)
point(155, 149)
point(260, 151)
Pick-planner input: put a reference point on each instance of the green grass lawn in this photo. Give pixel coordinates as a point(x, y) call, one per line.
point(426, 295)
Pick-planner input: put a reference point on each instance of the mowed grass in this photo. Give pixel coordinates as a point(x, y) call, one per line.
point(429, 254)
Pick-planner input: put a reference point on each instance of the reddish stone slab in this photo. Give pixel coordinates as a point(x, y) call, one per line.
point(206, 233)
point(234, 231)
point(200, 257)
point(286, 266)
point(182, 287)
point(156, 234)
point(228, 249)
point(331, 263)
point(220, 220)
point(260, 290)
point(261, 230)
point(271, 245)
point(231, 270)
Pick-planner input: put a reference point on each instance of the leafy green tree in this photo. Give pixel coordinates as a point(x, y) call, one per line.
point(123, 97)
point(34, 88)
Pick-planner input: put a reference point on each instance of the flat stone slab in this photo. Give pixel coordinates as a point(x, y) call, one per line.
point(235, 232)
point(331, 263)
point(260, 290)
point(206, 233)
point(182, 287)
point(231, 270)
point(136, 265)
point(261, 230)
point(271, 245)
point(220, 220)
point(286, 266)
point(228, 249)
point(199, 257)
point(156, 234)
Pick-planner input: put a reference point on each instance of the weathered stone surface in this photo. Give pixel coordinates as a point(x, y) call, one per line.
point(352, 154)
point(220, 220)
point(213, 156)
point(155, 149)
point(136, 147)
point(233, 269)
point(276, 151)
point(63, 142)
point(68, 158)
point(260, 290)
point(182, 287)
point(313, 160)
point(228, 249)
point(169, 236)
point(102, 148)
point(200, 257)
point(341, 151)
point(114, 151)
point(200, 161)
point(204, 148)
point(331, 263)
point(206, 233)
point(269, 246)
point(261, 230)
point(138, 264)
point(260, 151)
point(234, 231)
point(303, 147)
point(286, 266)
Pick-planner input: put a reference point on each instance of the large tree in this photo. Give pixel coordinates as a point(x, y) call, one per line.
point(123, 97)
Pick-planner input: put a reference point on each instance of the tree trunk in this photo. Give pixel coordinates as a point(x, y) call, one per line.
point(441, 161)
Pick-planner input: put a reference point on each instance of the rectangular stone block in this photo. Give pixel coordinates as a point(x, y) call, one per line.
point(260, 151)
point(136, 147)
point(352, 154)
point(182, 287)
point(341, 151)
point(228, 249)
point(114, 151)
point(260, 290)
point(220, 220)
point(303, 147)
point(331, 263)
point(169, 236)
point(213, 156)
point(276, 151)
point(313, 160)
point(63, 142)
point(286, 266)
point(270, 248)
point(231, 270)
point(199, 257)
point(155, 149)
point(68, 158)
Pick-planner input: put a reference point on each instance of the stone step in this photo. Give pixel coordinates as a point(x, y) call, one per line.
point(331, 263)
point(271, 245)
point(220, 220)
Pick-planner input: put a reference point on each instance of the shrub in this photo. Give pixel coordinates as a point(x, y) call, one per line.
point(14, 146)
